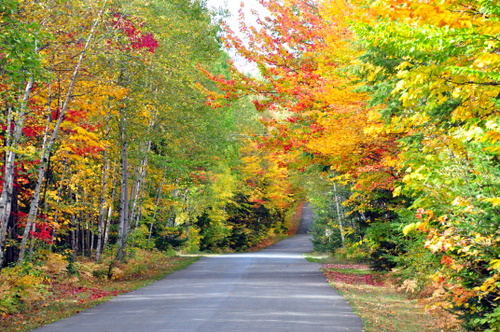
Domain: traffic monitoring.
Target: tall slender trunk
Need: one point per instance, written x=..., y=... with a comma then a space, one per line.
x=65, y=173
x=140, y=177
x=32, y=243
x=109, y=218
x=47, y=148
x=157, y=205
x=102, y=201
x=339, y=214
x=110, y=210
x=92, y=242
x=74, y=237
x=33, y=223
x=137, y=191
x=11, y=142
x=123, y=229
x=88, y=224
x=102, y=207
x=82, y=238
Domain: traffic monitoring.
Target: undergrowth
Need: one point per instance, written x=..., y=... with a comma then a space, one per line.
x=382, y=304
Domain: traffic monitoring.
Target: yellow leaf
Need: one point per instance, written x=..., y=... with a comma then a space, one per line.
x=397, y=191
x=495, y=264
x=491, y=136
x=495, y=201
x=410, y=227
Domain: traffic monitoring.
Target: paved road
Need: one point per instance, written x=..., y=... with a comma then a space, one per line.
x=274, y=290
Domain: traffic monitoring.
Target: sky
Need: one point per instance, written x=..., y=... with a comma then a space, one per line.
x=233, y=6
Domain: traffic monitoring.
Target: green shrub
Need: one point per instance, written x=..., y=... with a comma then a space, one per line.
x=325, y=238
x=20, y=286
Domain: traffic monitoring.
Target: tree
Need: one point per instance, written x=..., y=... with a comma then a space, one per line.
x=20, y=68
x=50, y=139
x=432, y=68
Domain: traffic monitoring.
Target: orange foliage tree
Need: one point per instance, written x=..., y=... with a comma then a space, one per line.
x=312, y=106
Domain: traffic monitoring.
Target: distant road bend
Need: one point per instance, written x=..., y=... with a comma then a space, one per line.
x=273, y=290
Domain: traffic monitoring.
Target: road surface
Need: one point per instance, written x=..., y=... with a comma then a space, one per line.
x=274, y=290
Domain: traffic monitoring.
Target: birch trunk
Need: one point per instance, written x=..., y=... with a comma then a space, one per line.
x=141, y=176
x=102, y=201
x=123, y=229
x=108, y=222
x=102, y=208
x=339, y=215
x=9, y=165
x=110, y=210
x=47, y=148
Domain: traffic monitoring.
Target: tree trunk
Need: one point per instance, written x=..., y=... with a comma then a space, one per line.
x=108, y=221
x=158, y=197
x=92, y=243
x=110, y=210
x=141, y=176
x=339, y=214
x=82, y=237
x=102, y=207
x=123, y=229
x=9, y=164
x=47, y=148
x=74, y=237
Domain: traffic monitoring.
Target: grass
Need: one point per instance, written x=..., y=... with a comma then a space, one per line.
x=378, y=302
x=68, y=295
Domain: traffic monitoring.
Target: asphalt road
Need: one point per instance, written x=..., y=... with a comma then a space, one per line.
x=273, y=290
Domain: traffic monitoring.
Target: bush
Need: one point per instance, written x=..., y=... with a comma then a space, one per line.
x=169, y=238
x=352, y=253
x=192, y=241
x=325, y=237
x=20, y=286
x=139, y=238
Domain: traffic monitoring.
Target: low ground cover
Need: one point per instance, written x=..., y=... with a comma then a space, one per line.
x=381, y=304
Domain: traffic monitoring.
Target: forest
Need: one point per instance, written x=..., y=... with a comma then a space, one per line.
x=126, y=125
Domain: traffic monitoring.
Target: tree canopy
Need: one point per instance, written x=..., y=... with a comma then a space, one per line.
x=127, y=125
x=394, y=105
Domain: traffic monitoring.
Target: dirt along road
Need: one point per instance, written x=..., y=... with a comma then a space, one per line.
x=273, y=290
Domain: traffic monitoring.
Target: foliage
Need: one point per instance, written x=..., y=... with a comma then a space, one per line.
x=380, y=306
x=21, y=286
x=399, y=101
x=442, y=99
x=352, y=274
x=107, y=154
x=125, y=127
x=325, y=239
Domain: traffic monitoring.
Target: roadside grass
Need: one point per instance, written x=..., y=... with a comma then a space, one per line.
x=376, y=300
x=67, y=295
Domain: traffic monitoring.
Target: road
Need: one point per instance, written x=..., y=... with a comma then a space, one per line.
x=273, y=290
